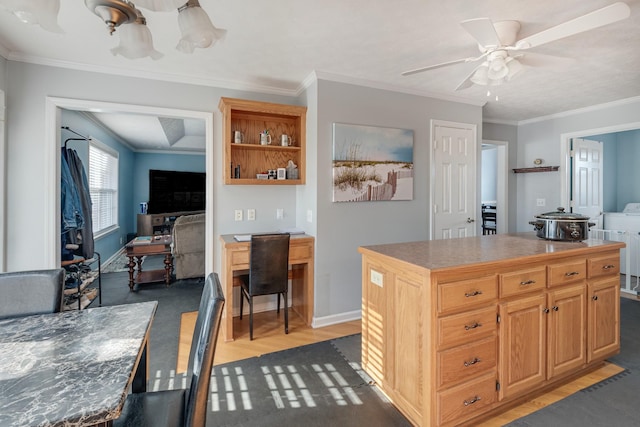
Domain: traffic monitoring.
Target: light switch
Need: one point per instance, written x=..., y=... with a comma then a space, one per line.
x=238, y=215
x=279, y=213
x=251, y=214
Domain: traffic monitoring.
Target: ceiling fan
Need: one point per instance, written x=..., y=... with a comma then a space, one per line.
x=499, y=47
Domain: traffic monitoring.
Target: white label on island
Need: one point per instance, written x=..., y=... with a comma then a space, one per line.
x=376, y=278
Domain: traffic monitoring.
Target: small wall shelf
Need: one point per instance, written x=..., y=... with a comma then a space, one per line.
x=537, y=169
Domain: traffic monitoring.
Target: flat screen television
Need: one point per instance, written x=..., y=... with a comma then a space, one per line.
x=175, y=191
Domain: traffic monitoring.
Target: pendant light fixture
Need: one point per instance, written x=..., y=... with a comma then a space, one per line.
x=196, y=28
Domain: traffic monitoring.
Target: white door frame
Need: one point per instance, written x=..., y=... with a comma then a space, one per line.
x=502, y=184
x=565, y=153
x=3, y=187
x=474, y=129
x=51, y=239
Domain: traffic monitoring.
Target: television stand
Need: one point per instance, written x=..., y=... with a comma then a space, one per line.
x=162, y=223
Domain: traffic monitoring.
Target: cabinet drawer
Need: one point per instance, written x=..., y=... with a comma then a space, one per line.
x=566, y=272
x=466, y=362
x=467, y=400
x=521, y=281
x=466, y=293
x=603, y=266
x=299, y=252
x=157, y=220
x=240, y=257
x=465, y=327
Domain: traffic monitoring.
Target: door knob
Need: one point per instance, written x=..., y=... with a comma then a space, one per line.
x=469, y=220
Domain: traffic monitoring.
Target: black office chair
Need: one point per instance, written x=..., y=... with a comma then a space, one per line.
x=489, y=219
x=183, y=408
x=268, y=273
x=25, y=293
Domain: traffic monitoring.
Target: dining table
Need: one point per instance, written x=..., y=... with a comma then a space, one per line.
x=73, y=368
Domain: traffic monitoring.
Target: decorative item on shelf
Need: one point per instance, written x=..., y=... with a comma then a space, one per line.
x=286, y=140
x=281, y=173
x=272, y=174
x=292, y=170
x=265, y=138
x=236, y=172
x=262, y=176
x=238, y=137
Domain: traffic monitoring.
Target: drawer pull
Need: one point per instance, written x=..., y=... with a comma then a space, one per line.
x=595, y=297
x=572, y=273
x=528, y=282
x=475, y=325
x=472, y=294
x=471, y=362
x=608, y=267
x=472, y=401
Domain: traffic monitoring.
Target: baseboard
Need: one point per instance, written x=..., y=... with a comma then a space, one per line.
x=319, y=322
x=113, y=257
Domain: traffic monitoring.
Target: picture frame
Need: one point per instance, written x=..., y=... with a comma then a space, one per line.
x=372, y=163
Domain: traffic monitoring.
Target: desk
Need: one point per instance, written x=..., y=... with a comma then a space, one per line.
x=75, y=367
x=235, y=258
x=161, y=246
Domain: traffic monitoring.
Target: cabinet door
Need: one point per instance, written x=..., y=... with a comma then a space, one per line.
x=522, y=345
x=603, y=311
x=566, y=334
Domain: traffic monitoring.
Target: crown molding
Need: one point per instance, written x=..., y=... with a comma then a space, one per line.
x=589, y=109
x=500, y=122
x=322, y=75
x=174, y=78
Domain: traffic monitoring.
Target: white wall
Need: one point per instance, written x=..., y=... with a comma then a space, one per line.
x=343, y=227
x=544, y=139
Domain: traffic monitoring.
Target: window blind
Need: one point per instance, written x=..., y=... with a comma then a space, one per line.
x=103, y=187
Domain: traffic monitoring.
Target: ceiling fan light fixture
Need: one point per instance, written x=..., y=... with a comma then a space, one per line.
x=113, y=12
x=35, y=12
x=497, y=69
x=196, y=28
x=160, y=5
x=136, y=40
x=514, y=66
x=480, y=77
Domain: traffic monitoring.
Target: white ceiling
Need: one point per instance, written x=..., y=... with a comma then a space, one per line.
x=274, y=46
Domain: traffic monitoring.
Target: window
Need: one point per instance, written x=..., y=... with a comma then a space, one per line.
x=103, y=186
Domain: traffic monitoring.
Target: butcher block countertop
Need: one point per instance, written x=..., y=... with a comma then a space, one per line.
x=451, y=253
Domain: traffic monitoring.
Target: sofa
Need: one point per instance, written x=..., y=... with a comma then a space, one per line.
x=188, y=246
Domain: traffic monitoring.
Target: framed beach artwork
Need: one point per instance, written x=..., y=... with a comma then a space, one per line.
x=372, y=163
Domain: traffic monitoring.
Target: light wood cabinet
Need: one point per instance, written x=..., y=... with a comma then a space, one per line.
x=251, y=118
x=453, y=342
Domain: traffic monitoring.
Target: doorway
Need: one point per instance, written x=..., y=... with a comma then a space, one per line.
x=497, y=173
x=54, y=106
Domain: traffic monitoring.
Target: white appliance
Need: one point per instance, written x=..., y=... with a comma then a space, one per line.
x=627, y=220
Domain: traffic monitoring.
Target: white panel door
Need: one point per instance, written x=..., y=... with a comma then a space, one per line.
x=454, y=148
x=586, y=191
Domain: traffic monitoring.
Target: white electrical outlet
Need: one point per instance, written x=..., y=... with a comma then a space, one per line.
x=251, y=214
x=309, y=215
x=238, y=215
x=541, y=202
x=377, y=278
x=279, y=213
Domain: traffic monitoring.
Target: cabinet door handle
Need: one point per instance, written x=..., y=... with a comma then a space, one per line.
x=546, y=310
x=472, y=401
x=595, y=297
x=475, y=325
x=471, y=362
x=608, y=267
x=555, y=308
x=528, y=282
x=572, y=273
x=472, y=294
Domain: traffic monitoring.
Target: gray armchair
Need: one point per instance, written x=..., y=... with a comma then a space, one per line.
x=25, y=293
x=188, y=246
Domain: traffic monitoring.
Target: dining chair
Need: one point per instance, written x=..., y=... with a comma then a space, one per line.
x=489, y=219
x=183, y=408
x=268, y=273
x=25, y=293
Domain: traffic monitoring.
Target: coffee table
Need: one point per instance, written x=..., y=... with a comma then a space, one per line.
x=149, y=245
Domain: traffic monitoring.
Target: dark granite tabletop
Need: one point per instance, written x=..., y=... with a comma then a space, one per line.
x=72, y=368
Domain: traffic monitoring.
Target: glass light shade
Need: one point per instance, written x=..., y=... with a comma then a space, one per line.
x=40, y=12
x=497, y=69
x=135, y=42
x=160, y=5
x=197, y=30
x=480, y=76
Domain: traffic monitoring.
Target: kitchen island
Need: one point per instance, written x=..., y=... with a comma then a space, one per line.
x=456, y=330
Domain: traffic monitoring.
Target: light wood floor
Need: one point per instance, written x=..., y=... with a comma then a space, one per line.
x=269, y=336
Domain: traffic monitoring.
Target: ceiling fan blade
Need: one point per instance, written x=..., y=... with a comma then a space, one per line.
x=531, y=59
x=467, y=81
x=482, y=30
x=432, y=67
x=598, y=18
